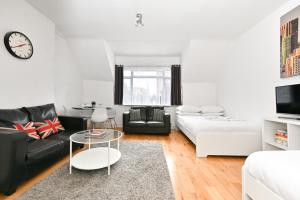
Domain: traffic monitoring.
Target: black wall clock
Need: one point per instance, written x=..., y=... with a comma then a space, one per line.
x=18, y=45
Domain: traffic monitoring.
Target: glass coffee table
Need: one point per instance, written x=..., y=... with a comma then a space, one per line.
x=98, y=157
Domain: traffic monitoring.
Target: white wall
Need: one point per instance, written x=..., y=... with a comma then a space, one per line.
x=201, y=63
x=247, y=89
x=135, y=48
x=68, y=81
x=198, y=94
x=202, y=59
x=148, y=61
x=26, y=82
x=99, y=91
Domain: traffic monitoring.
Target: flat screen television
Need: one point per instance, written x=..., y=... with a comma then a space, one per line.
x=288, y=99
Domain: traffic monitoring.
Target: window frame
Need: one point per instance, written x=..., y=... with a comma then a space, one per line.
x=163, y=76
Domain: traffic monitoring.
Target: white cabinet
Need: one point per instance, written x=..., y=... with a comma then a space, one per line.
x=272, y=125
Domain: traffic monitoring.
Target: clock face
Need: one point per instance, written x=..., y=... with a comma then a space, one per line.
x=18, y=45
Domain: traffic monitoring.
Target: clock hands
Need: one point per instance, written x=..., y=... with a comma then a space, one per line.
x=21, y=45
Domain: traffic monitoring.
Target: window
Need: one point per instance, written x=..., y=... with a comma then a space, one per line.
x=147, y=86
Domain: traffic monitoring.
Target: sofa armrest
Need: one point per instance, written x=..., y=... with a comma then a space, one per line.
x=73, y=122
x=13, y=149
x=167, y=120
x=126, y=117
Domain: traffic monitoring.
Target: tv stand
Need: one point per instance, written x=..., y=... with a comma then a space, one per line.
x=271, y=125
x=295, y=118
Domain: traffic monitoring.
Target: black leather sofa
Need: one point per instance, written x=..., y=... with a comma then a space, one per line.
x=147, y=125
x=20, y=157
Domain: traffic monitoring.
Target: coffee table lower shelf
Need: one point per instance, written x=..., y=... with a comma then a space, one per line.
x=95, y=158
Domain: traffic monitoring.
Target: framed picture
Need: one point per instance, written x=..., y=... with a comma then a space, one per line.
x=289, y=44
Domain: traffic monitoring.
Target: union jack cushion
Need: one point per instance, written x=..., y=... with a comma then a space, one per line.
x=29, y=129
x=45, y=129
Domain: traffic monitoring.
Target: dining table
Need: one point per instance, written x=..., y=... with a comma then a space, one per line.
x=110, y=111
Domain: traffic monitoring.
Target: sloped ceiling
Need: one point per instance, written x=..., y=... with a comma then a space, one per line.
x=92, y=56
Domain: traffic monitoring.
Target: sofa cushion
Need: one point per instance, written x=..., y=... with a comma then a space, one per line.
x=48, y=127
x=137, y=123
x=42, y=149
x=135, y=115
x=150, y=111
x=29, y=129
x=8, y=117
x=41, y=113
x=158, y=115
x=155, y=124
x=143, y=110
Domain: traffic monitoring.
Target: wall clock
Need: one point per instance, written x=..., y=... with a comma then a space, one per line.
x=18, y=45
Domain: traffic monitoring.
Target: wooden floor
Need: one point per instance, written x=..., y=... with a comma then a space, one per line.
x=192, y=178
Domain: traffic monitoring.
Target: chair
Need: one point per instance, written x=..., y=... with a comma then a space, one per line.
x=99, y=116
x=111, y=112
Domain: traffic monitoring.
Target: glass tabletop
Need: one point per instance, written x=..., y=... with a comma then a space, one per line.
x=90, y=137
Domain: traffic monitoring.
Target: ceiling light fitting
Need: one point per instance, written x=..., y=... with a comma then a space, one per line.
x=139, y=20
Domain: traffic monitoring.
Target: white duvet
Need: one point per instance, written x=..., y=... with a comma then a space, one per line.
x=278, y=170
x=199, y=124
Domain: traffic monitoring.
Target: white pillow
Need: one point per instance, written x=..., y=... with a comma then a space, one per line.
x=188, y=113
x=211, y=109
x=198, y=114
x=190, y=109
x=213, y=114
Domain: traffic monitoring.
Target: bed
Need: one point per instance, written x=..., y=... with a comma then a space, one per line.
x=218, y=135
x=272, y=175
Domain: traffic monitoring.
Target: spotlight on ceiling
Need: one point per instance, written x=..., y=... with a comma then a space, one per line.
x=139, y=20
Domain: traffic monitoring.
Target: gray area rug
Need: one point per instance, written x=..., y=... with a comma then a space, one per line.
x=141, y=173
